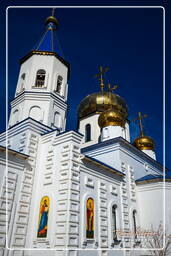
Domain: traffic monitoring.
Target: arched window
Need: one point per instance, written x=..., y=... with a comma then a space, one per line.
x=40, y=78
x=43, y=217
x=114, y=223
x=87, y=132
x=59, y=84
x=134, y=213
x=90, y=218
x=23, y=76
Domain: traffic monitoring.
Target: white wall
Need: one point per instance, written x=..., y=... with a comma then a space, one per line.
x=95, y=129
x=47, y=104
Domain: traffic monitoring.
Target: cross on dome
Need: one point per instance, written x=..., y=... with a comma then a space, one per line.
x=100, y=76
x=113, y=88
x=140, y=119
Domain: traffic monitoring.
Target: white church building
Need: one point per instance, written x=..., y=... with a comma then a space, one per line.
x=75, y=193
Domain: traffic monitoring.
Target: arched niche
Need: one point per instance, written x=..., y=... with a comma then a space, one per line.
x=57, y=120
x=36, y=113
x=15, y=116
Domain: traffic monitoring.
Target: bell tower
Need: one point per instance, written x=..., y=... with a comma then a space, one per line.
x=42, y=87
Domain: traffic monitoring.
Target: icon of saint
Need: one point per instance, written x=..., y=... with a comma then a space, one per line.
x=44, y=209
x=90, y=218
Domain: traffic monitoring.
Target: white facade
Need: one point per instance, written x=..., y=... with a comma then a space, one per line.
x=151, y=153
x=111, y=132
x=95, y=129
x=43, y=104
x=97, y=135
x=45, y=161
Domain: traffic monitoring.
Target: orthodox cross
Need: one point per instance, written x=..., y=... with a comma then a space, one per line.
x=100, y=76
x=113, y=88
x=140, y=119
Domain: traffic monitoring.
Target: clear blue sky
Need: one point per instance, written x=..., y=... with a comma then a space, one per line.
x=129, y=41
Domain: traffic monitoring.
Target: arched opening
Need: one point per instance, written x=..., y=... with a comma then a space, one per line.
x=36, y=113
x=134, y=216
x=15, y=117
x=87, y=132
x=59, y=84
x=40, y=78
x=114, y=222
x=43, y=217
x=90, y=218
x=57, y=120
x=23, y=76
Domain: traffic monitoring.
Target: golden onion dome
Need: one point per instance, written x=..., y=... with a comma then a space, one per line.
x=52, y=19
x=100, y=102
x=111, y=117
x=144, y=142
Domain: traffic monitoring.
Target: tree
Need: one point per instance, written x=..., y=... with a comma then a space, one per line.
x=161, y=240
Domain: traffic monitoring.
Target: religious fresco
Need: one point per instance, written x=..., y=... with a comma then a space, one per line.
x=90, y=218
x=43, y=217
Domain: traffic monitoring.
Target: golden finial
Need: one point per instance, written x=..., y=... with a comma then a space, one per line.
x=100, y=76
x=140, y=118
x=54, y=24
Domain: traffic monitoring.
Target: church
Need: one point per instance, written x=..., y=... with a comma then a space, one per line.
x=75, y=193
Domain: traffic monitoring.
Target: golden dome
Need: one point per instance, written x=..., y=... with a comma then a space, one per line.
x=111, y=117
x=52, y=19
x=144, y=142
x=100, y=102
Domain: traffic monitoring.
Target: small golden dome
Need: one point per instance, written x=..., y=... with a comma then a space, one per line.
x=100, y=102
x=111, y=118
x=144, y=142
x=52, y=19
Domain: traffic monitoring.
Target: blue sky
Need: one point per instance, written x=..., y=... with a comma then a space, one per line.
x=127, y=40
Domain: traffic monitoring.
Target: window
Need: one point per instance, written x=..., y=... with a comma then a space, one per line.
x=114, y=224
x=43, y=217
x=40, y=78
x=59, y=84
x=90, y=218
x=23, y=76
x=87, y=132
x=134, y=223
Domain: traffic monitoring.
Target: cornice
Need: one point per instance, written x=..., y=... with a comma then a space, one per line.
x=46, y=53
x=25, y=124
x=13, y=152
x=127, y=145
x=38, y=95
